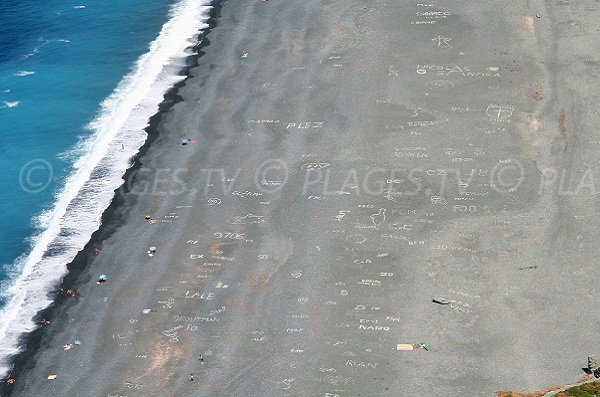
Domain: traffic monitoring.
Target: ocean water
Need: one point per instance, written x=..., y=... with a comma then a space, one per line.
x=78, y=82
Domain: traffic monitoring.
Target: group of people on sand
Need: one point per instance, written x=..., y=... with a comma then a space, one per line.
x=70, y=292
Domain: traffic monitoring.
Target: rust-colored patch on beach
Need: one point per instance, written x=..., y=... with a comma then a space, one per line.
x=163, y=359
x=532, y=394
x=253, y=281
x=513, y=394
x=527, y=125
x=527, y=28
x=161, y=355
x=215, y=249
x=260, y=282
x=535, y=91
x=245, y=307
x=563, y=128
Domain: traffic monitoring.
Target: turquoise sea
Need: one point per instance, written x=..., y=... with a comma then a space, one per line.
x=78, y=81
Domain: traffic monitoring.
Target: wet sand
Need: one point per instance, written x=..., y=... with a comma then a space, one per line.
x=352, y=161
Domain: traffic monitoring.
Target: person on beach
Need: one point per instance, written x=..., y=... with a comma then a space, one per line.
x=102, y=279
x=191, y=377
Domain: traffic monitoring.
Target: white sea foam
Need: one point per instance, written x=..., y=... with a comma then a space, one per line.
x=117, y=133
x=22, y=73
x=37, y=49
x=12, y=104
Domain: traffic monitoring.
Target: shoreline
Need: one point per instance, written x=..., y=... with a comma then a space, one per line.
x=112, y=219
x=290, y=290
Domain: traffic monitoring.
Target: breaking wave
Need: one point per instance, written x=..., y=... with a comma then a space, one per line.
x=116, y=135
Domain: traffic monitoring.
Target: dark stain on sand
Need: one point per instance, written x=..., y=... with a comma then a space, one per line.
x=534, y=91
x=563, y=128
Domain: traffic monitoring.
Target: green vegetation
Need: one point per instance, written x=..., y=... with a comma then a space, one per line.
x=587, y=390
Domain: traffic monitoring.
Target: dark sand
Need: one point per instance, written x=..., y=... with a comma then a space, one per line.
x=364, y=158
